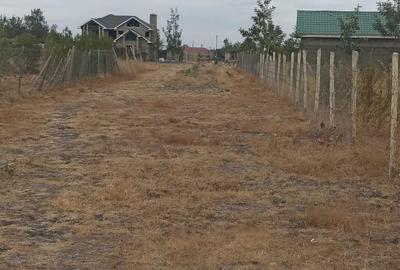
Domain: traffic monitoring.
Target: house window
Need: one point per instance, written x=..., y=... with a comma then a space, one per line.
x=147, y=34
x=112, y=34
x=133, y=23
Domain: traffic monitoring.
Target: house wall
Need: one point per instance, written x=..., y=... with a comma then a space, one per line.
x=145, y=48
x=141, y=29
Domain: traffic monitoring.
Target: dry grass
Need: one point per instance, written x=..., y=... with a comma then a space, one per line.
x=334, y=217
x=136, y=176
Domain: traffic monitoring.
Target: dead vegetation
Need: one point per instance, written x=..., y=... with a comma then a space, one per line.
x=132, y=176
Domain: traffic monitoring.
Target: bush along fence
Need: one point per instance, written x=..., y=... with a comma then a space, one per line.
x=23, y=70
x=345, y=93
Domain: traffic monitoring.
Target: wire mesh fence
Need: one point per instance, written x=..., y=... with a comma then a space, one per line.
x=343, y=93
x=25, y=70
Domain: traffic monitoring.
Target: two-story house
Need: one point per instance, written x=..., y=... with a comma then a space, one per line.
x=126, y=31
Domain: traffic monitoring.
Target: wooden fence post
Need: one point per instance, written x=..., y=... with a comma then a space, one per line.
x=291, y=75
x=332, y=96
x=297, y=93
x=284, y=77
x=354, y=67
x=274, y=68
x=83, y=65
x=42, y=75
x=393, y=125
x=116, y=60
x=317, y=84
x=266, y=63
x=71, y=64
x=134, y=53
x=305, y=91
x=278, y=75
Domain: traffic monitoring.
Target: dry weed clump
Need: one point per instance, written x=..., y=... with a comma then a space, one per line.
x=337, y=217
x=375, y=97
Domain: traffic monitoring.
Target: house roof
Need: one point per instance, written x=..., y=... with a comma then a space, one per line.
x=113, y=21
x=326, y=23
x=198, y=51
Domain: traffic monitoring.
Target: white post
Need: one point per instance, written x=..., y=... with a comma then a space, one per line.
x=284, y=91
x=297, y=94
x=393, y=126
x=305, y=92
x=291, y=75
x=270, y=70
x=317, y=84
x=71, y=67
x=274, y=67
x=266, y=68
x=262, y=65
x=354, y=62
x=332, y=97
x=278, y=75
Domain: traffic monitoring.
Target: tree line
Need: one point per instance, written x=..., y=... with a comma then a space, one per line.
x=32, y=31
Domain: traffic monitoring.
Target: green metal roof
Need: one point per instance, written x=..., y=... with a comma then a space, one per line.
x=326, y=23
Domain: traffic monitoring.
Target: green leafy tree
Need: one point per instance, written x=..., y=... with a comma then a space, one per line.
x=293, y=43
x=263, y=34
x=28, y=52
x=389, y=22
x=173, y=34
x=348, y=27
x=231, y=47
x=36, y=24
x=159, y=44
x=60, y=43
x=89, y=42
x=12, y=27
x=248, y=45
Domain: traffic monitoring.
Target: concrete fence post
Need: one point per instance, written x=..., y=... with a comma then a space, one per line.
x=297, y=93
x=317, y=84
x=291, y=75
x=393, y=124
x=354, y=79
x=305, y=81
x=332, y=96
x=284, y=77
x=278, y=75
x=266, y=63
x=274, y=68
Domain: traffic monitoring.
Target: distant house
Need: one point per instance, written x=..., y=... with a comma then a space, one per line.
x=321, y=29
x=126, y=32
x=196, y=54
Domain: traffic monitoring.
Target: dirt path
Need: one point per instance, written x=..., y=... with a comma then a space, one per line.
x=202, y=169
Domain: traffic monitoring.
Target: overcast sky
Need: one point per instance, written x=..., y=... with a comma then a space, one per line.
x=201, y=20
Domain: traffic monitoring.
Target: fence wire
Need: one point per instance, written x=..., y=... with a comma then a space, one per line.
x=24, y=70
x=295, y=76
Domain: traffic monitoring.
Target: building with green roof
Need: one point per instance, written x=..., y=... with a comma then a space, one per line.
x=321, y=29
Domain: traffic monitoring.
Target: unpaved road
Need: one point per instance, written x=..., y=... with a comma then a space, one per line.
x=174, y=171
